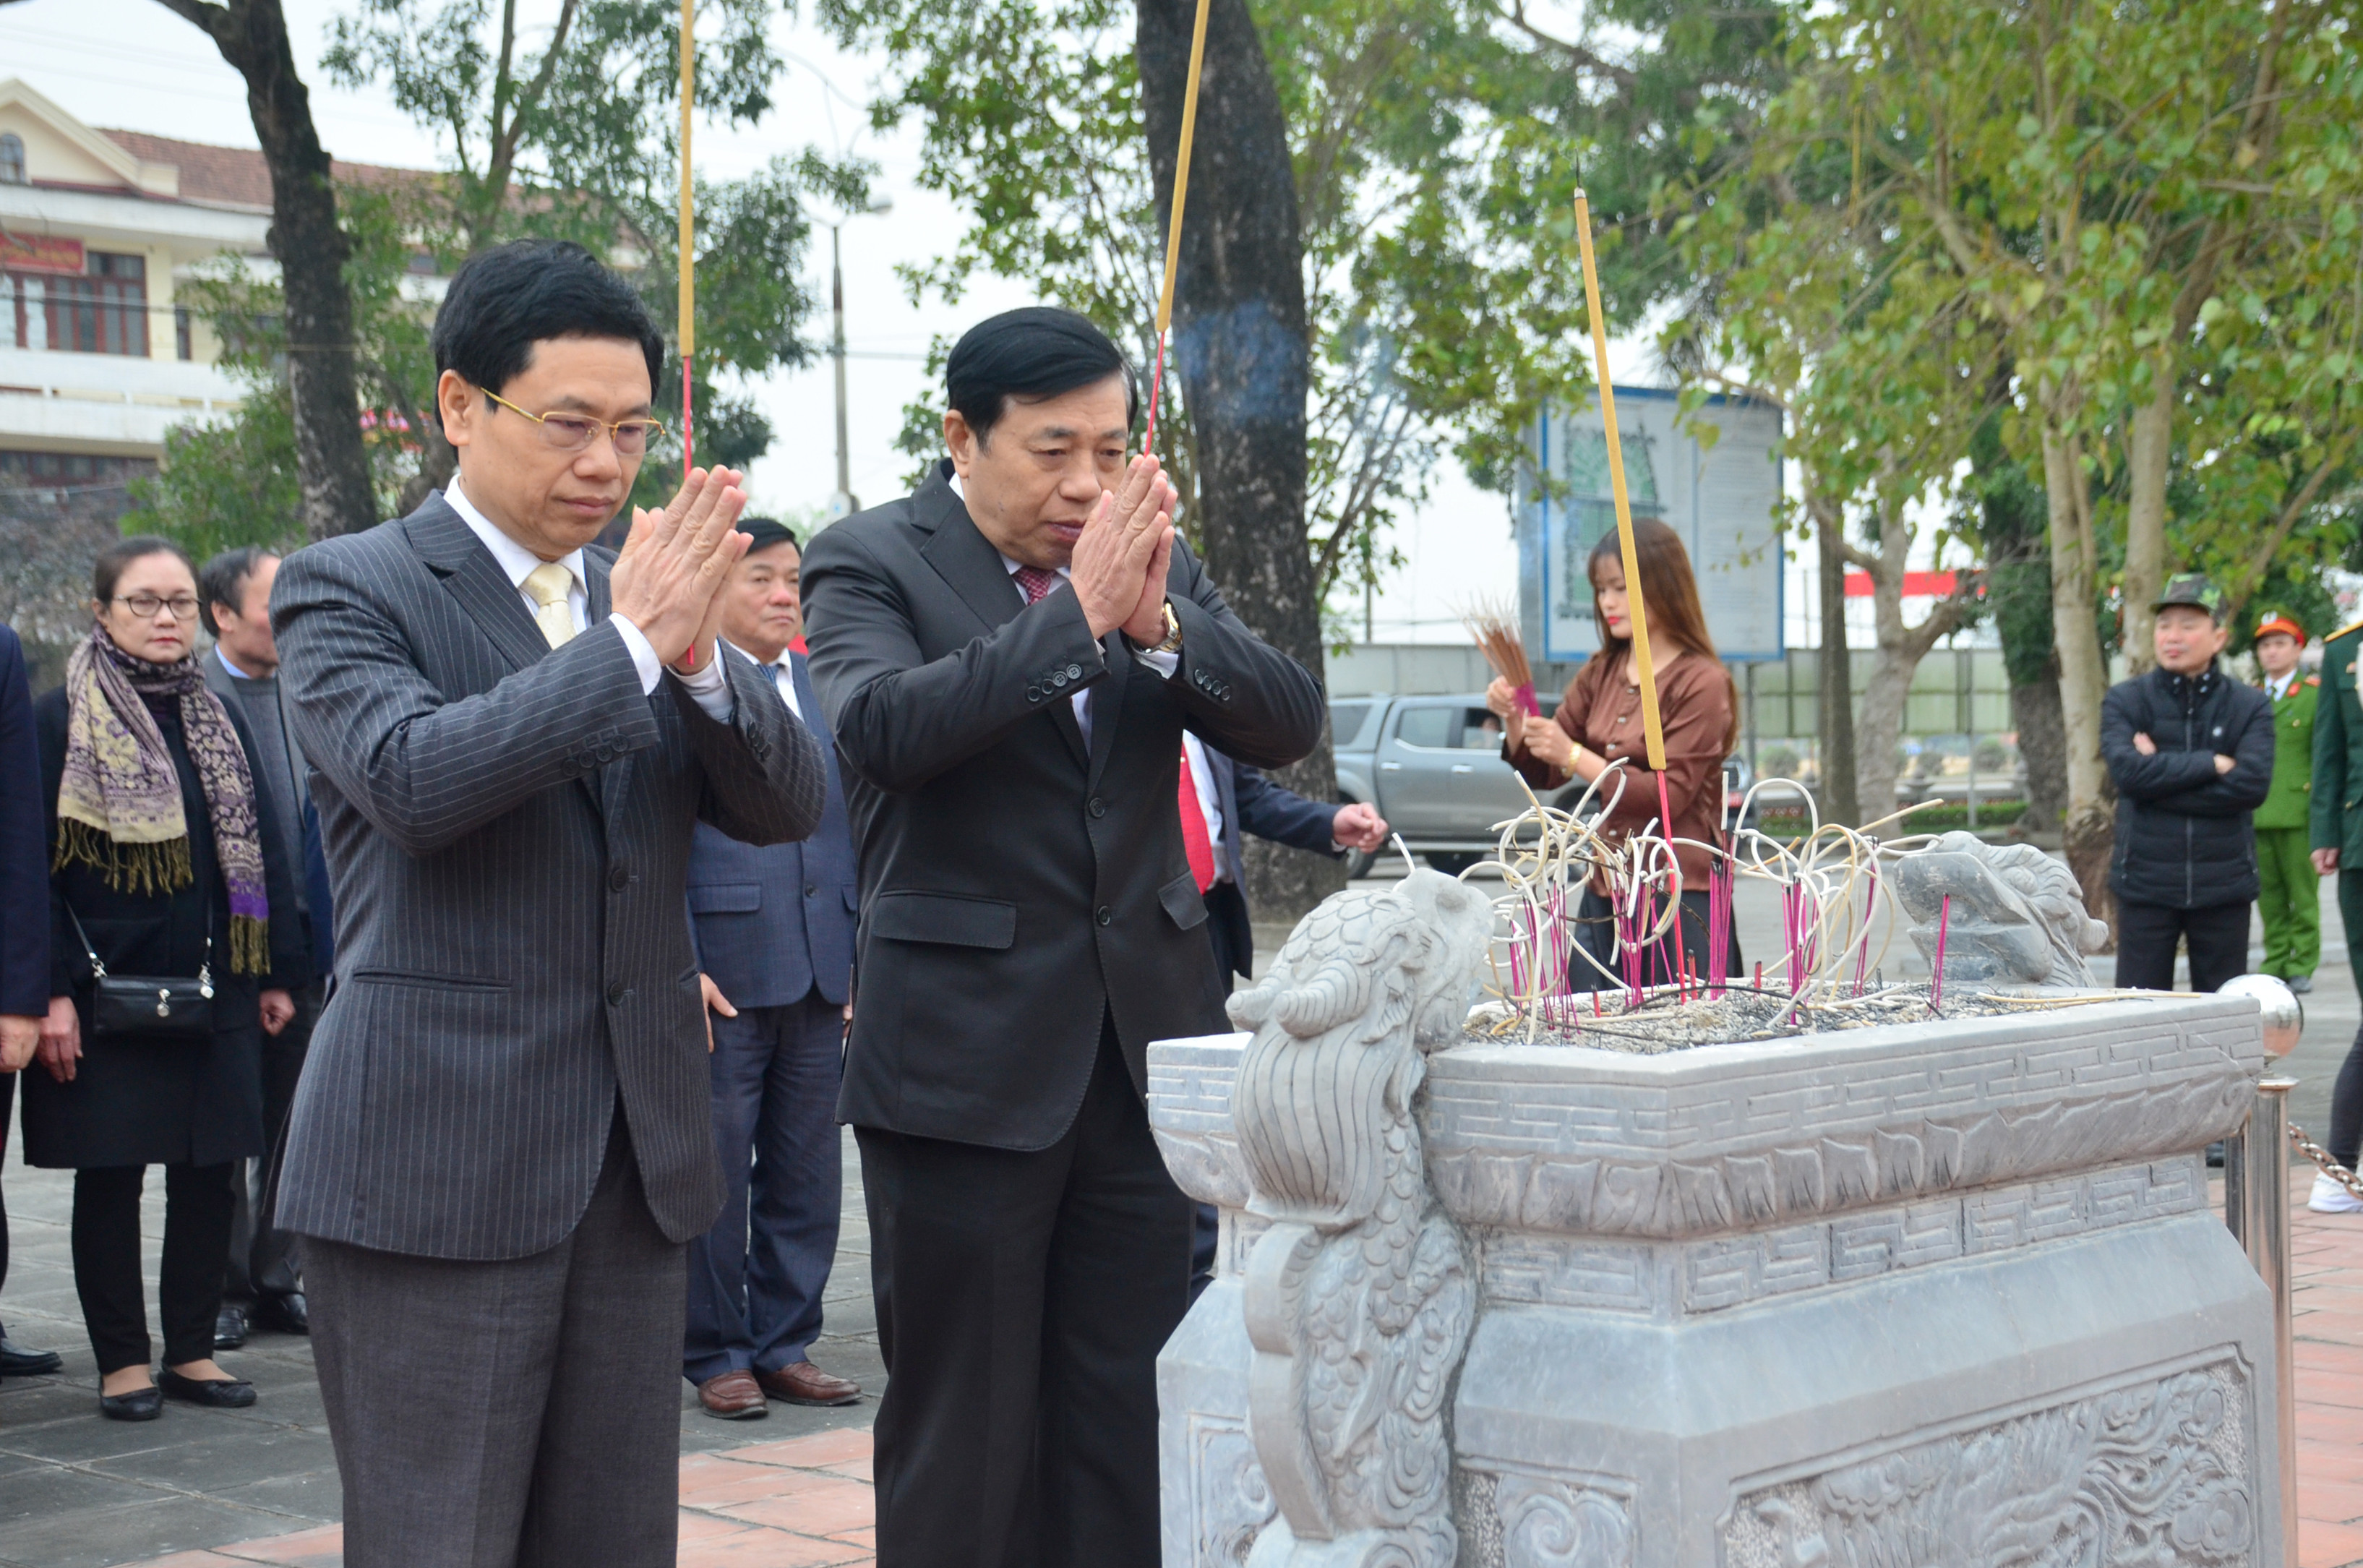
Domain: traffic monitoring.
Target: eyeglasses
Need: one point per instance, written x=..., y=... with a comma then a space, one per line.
x=146, y=605
x=575, y=432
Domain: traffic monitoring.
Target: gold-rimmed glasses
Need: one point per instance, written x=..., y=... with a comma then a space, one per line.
x=575, y=432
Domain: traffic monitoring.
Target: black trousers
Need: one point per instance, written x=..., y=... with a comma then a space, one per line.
x=263, y=1259
x=1022, y=1297
x=1596, y=932
x=8, y=1103
x=197, y=1202
x=2346, y=1094
x=2147, y=935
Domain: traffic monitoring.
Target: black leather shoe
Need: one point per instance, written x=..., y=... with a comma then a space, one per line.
x=221, y=1393
x=15, y=1361
x=283, y=1314
x=230, y=1327
x=139, y=1405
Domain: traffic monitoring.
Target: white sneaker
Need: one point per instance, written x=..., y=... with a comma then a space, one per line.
x=2330, y=1197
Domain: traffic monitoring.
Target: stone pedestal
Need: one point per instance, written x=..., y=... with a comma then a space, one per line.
x=1895, y=1297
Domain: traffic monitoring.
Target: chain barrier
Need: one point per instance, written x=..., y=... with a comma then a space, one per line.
x=2321, y=1157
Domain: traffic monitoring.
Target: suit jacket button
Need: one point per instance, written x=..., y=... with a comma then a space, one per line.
x=619, y=878
x=616, y=993
x=1058, y=681
x=1075, y=672
x=811, y=891
x=1098, y=807
x=1107, y=917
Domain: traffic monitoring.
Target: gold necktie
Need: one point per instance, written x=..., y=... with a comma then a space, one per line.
x=549, y=583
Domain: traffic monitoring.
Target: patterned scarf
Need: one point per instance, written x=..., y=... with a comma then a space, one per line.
x=119, y=802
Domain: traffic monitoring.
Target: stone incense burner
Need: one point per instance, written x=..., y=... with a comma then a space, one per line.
x=1894, y=1297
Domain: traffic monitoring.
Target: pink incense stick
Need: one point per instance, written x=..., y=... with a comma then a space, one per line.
x=1936, y=975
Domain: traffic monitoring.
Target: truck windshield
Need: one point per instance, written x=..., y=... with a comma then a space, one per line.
x=1346, y=721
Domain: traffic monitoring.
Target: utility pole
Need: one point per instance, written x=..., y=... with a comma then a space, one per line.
x=842, y=503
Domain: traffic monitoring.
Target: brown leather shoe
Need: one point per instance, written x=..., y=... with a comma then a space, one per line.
x=805, y=1384
x=733, y=1397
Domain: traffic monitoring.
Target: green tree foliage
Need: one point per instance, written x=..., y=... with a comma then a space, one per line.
x=1437, y=146
x=575, y=139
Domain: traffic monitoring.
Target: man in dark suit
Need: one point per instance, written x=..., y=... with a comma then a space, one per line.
x=262, y=1287
x=503, y=1141
x=24, y=932
x=775, y=930
x=1009, y=659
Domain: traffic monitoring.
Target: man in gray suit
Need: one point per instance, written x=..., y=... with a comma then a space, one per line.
x=502, y=1144
x=264, y=1287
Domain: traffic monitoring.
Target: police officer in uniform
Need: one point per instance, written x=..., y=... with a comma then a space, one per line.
x=2289, y=897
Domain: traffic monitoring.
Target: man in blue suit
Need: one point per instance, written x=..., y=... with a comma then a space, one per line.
x=24, y=930
x=775, y=930
x=1237, y=800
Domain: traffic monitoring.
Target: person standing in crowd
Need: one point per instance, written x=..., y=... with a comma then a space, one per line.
x=264, y=1288
x=1598, y=726
x=503, y=1141
x=1234, y=800
x=2336, y=832
x=774, y=932
x=2191, y=752
x=2288, y=891
x=1009, y=659
x=166, y=860
x=24, y=934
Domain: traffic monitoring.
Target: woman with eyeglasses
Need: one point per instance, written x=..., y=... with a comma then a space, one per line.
x=164, y=864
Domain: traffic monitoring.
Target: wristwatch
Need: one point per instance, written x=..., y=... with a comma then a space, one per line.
x=1172, y=643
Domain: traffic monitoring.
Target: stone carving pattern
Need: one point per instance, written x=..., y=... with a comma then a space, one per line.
x=1502, y=1153
x=2148, y=1474
x=1548, y=1524
x=1230, y=1501
x=2017, y=918
x=1359, y=1294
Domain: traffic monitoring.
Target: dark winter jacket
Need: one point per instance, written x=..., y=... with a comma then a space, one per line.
x=2184, y=838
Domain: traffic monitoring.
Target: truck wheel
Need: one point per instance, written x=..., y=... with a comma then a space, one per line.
x=1450, y=864
x=1358, y=863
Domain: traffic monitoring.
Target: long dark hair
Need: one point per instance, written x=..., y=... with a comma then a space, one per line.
x=1669, y=594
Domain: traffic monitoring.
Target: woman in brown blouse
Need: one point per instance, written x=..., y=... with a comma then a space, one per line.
x=1599, y=723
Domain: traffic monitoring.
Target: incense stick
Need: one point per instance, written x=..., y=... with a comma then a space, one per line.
x=688, y=239
x=1173, y=226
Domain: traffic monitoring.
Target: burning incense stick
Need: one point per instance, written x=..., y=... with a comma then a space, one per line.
x=1173, y=226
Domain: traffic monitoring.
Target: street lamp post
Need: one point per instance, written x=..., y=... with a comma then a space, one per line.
x=842, y=503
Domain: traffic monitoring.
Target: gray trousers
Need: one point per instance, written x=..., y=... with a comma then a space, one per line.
x=521, y=1412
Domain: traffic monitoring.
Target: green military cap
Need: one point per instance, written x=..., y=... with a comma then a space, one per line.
x=2192, y=589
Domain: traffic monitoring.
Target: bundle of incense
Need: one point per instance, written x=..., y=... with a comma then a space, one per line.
x=1936, y=974
x=1495, y=628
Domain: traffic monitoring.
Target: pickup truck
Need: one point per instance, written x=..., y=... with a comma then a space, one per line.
x=1433, y=767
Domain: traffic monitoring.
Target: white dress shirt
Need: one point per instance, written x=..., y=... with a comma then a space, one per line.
x=2278, y=686
x=782, y=675
x=1209, y=805
x=708, y=686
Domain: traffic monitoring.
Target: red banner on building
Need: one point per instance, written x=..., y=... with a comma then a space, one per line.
x=39, y=253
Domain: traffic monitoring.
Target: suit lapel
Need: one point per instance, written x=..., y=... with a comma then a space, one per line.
x=1107, y=700
x=609, y=783
x=808, y=703
x=474, y=578
x=966, y=561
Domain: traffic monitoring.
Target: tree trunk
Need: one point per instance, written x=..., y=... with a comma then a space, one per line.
x=2085, y=832
x=1834, y=694
x=2152, y=449
x=1879, y=733
x=2043, y=752
x=1240, y=346
x=332, y=469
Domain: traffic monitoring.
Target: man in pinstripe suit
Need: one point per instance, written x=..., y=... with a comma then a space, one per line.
x=502, y=1144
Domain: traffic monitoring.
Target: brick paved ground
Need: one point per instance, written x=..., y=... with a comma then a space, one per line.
x=218, y=1489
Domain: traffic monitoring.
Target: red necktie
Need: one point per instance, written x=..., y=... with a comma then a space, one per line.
x=1035, y=582
x=1193, y=829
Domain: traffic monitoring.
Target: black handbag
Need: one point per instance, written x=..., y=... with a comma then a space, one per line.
x=179, y=1008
